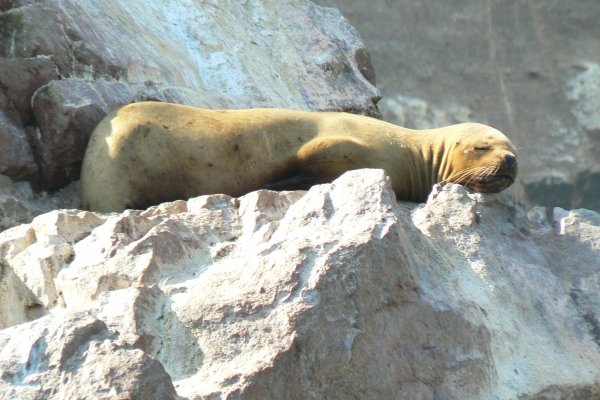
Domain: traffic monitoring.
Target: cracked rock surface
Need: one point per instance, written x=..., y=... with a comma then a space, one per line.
x=340, y=292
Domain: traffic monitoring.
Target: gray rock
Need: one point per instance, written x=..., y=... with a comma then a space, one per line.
x=338, y=292
x=67, y=112
x=72, y=356
x=19, y=204
x=418, y=114
x=21, y=77
x=16, y=158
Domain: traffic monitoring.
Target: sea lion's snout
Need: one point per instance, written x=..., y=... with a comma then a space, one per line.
x=500, y=177
x=509, y=167
x=510, y=161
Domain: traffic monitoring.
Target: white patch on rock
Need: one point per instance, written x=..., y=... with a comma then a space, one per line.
x=584, y=90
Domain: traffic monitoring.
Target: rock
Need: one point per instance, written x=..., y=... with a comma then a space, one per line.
x=21, y=77
x=338, y=292
x=19, y=204
x=538, y=222
x=17, y=302
x=520, y=68
x=75, y=356
x=37, y=252
x=85, y=58
x=13, y=213
x=17, y=159
x=67, y=112
x=577, y=236
x=38, y=265
x=418, y=114
x=585, y=92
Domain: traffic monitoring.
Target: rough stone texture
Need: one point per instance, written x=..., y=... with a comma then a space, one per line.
x=339, y=292
x=67, y=112
x=418, y=114
x=530, y=69
x=76, y=60
x=19, y=204
x=16, y=158
x=74, y=356
x=21, y=77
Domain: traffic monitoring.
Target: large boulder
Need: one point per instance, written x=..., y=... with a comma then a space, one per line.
x=64, y=64
x=16, y=158
x=530, y=69
x=339, y=292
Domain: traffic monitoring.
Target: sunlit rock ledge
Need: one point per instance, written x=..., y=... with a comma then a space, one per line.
x=339, y=292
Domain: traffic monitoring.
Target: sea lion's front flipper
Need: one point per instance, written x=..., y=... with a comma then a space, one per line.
x=322, y=161
x=301, y=181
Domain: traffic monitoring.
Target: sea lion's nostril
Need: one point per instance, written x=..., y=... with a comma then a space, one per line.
x=510, y=160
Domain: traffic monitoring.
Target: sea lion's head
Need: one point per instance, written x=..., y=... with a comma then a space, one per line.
x=480, y=158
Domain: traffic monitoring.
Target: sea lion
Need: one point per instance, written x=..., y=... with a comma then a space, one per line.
x=147, y=153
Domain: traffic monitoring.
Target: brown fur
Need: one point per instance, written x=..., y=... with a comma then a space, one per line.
x=147, y=153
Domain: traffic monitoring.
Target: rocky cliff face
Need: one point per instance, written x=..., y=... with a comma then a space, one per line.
x=530, y=69
x=65, y=64
x=339, y=292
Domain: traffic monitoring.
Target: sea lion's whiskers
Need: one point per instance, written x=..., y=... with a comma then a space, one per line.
x=461, y=174
x=498, y=166
x=490, y=170
x=475, y=176
x=479, y=172
x=471, y=173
